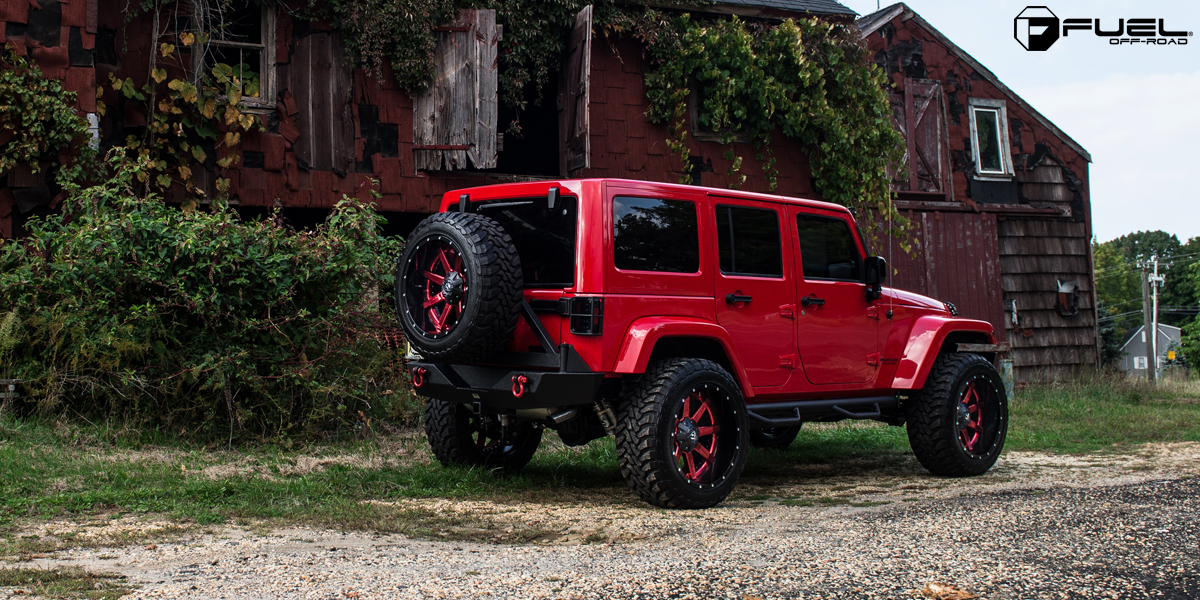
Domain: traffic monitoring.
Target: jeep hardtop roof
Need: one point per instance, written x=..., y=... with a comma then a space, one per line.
x=575, y=186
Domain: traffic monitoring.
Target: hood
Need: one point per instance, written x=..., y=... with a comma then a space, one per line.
x=915, y=300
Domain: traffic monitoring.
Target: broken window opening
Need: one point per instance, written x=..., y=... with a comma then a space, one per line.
x=989, y=138
x=532, y=148
x=239, y=43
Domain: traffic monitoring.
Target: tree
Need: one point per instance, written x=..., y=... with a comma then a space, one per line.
x=1118, y=291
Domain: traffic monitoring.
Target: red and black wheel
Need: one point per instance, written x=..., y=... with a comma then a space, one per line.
x=458, y=287
x=459, y=437
x=958, y=422
x=682, y=434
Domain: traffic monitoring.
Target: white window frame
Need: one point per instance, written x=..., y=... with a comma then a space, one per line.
x=265, y=102
x=1139, y=363
x=998, y=106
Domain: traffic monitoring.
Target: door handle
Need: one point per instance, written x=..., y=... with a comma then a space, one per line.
x=735, y=298
x=808, y=300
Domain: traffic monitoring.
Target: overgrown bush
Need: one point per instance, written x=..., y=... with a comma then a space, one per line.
x=198, y=321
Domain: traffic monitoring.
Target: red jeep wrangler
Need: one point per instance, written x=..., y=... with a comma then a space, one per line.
x=687, y=322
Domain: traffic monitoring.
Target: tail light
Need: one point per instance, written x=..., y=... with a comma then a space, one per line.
x=586, y=314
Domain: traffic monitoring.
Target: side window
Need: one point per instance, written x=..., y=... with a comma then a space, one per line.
x=748, y=241
x=655, y=235
x=827, y=249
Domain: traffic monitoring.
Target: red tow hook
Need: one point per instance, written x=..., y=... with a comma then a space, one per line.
x=418, y=376
x=518, y=388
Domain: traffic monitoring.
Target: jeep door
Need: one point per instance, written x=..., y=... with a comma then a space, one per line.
x=754, y=287
x=837, y=328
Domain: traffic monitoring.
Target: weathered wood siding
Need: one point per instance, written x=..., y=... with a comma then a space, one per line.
x=1035, y=255
x=320, y=79
x=574, y=124
x=455, y=119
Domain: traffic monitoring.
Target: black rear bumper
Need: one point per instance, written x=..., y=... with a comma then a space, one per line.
x=497, y=387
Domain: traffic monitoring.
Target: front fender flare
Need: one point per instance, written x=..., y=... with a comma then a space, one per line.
x=644, y=333
x=925, y=341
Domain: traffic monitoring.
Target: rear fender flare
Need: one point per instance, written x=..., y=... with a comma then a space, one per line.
x=644, y=334
x=925, y=342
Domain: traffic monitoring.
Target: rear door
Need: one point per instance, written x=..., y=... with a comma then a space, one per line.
x=755, y=287
x=837, y=328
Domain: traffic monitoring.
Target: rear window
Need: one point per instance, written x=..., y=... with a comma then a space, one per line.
x=545, y=239
x=655, y=235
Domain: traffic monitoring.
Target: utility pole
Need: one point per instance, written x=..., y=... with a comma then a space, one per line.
x=1146, y=322
x=1155, y=281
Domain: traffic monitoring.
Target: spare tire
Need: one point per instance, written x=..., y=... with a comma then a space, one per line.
x=458, y=287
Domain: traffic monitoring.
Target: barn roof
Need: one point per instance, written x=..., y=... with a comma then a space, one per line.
x=816, y=7
x=871, y=23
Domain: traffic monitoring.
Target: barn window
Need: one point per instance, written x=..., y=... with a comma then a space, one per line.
x=989, y=138
x=240, y=42
x=454, y=120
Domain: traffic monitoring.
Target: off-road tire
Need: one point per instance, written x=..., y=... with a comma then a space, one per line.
x=482, y=320
x=453, y=430
x=935, y=430
x=651, y=414
x=774, y=438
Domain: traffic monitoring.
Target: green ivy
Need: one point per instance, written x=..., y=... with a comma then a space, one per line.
x=35, y=112
x=806, y=79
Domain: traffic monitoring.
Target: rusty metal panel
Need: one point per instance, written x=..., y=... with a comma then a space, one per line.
x=955, y=259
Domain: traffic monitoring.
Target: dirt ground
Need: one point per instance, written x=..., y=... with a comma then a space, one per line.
x=855, y=529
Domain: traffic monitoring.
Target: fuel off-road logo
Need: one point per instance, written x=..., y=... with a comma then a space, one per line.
x=1037, y=28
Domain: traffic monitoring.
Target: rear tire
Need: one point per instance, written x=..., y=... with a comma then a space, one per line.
x=682, y=434
x=774, y=438
x=958, y=421
x=459, y=437
x=458, y=287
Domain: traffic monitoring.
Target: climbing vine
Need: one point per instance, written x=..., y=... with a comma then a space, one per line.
x=193, y=123
x=36, y=118
x=806, y=79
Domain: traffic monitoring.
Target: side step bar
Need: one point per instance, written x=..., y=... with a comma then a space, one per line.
x=847, y=408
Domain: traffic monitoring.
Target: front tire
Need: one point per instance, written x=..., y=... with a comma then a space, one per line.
x=682, y=434
x=958, y=422
x=458, y=436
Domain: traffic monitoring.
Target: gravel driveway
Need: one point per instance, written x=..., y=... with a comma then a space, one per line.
x=1038, y=526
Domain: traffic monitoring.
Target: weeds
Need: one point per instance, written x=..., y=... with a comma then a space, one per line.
x=66, y=582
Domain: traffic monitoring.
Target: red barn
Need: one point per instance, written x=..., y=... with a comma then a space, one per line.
x=998, y=195
x=334, y=129
x=1003, y=221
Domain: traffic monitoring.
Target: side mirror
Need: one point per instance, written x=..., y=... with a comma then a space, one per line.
x=876, y=273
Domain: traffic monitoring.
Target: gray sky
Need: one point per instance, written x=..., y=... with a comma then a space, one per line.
x=1135, y=109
